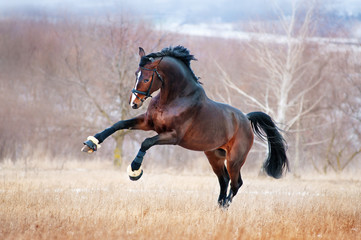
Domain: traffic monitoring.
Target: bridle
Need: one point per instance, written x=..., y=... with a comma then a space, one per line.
x=147, y=93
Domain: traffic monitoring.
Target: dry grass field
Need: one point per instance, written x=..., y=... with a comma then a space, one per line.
x=96, y=201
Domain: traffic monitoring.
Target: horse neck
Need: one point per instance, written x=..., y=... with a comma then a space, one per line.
x=178, y=82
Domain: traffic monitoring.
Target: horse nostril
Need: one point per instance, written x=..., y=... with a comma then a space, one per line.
x=135, y=106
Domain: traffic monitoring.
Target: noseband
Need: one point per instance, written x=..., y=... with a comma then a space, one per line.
x=147, y=93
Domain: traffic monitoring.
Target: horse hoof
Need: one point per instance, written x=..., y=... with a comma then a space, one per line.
x=223, y=204
x=90, y=145
x=87, y=149
x=134, y=175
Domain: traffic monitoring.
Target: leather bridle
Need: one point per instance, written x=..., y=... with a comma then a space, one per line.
x=147, y=93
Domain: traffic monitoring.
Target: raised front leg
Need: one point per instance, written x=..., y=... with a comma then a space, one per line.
x=93, y=142
x=167, y=138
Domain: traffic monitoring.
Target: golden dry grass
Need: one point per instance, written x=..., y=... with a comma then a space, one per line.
x=96, y=201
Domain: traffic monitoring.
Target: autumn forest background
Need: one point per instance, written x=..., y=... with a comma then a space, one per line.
x=64, y=77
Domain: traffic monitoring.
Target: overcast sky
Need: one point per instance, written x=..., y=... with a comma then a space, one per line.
x=181, y=10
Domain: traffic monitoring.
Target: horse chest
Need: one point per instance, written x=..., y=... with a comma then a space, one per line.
x=166, y=120
x=161, y=119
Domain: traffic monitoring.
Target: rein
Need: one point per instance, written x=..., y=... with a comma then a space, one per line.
x=147, y=93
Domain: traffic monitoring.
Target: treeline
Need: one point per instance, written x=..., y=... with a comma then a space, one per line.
x=66, y=78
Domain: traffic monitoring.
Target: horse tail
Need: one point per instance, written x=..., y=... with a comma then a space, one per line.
x=266, y=129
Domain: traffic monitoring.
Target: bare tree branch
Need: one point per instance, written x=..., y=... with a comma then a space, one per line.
x=229, y=83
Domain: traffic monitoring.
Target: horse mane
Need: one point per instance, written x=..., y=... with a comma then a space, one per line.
x=178, y=52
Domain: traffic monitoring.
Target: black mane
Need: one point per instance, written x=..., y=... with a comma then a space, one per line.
x=178, y=52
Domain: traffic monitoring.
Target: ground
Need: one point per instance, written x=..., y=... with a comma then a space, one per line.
x=97, y=201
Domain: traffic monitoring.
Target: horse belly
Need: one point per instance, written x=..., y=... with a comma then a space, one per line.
x=215, y=126
x=206, y=137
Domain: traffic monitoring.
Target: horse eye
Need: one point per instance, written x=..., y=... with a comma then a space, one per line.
x=146, y=80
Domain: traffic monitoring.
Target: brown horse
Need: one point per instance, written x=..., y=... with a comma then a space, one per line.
x=183, y=115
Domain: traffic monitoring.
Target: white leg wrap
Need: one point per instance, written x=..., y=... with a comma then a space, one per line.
x=135, y=173
x=94, y=140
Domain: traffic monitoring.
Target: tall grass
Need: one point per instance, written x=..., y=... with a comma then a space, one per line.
x=95, y=201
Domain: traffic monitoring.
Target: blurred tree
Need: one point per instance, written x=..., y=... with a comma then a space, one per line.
x=290, y=72
x=344, y=105
x=102, y=62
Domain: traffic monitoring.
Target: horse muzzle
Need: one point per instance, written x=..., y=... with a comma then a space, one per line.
x=135, y=102
x=136, y=106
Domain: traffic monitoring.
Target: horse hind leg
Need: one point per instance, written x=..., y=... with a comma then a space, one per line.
x=216, y=159
x=235, y=161
x=236, y=183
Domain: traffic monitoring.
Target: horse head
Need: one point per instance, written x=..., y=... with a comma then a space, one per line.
x=147, y=81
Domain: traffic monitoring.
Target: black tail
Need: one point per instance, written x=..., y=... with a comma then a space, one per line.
x=265, y=128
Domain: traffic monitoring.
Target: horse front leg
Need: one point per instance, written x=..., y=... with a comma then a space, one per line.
x=93, y=142
x=134, y=169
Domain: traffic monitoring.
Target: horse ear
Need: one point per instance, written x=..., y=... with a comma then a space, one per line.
x=141, y=52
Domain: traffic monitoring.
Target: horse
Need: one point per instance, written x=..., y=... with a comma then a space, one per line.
x=182, y=114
